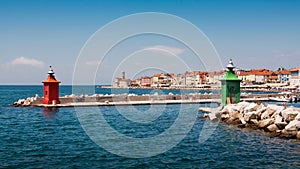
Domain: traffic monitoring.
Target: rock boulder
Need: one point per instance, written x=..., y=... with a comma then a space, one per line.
x=251, y=107
x=293, y=126
x=297, y=117
x=272, y=128
x=267, y=114
x=265, y=123
x=250, y=115
x=298, y=135
x=289, y=114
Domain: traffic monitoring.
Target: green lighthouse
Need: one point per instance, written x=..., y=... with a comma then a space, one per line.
x=230, y=86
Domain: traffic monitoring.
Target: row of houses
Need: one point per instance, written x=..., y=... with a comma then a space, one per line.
x=187, y=79
x=198, y=79
x=261, y=76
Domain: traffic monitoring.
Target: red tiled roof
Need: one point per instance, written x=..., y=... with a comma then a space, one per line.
x=273, y=77
x=146, y=77
x=262, y=73
x=51, y=79
x=284, y=72
x=221, y=72
x=158, y=75
x=243, y=73
x=295, y=69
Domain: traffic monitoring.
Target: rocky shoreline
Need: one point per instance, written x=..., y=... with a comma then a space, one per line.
x=280, y=121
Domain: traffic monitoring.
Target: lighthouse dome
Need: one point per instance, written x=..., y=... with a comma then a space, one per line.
x=50, y=72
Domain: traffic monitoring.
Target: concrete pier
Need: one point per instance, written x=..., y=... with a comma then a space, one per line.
x=131, y=99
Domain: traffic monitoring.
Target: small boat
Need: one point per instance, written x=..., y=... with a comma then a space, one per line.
x=285, y=93
x=279, y=99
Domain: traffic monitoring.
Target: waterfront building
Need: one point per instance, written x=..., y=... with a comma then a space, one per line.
x=164, y=80
x=146, y=81
x=284, y=76
x=273, y=78
x=121, y=82
x=245, y=76
x=250, y=77
x=258, y=76
x=197, y=79
x=261, y=75
x=154, y=80
x=179, y=81
x=190, y=79
x=136, y=83
x=215, y=77
x=295, y=76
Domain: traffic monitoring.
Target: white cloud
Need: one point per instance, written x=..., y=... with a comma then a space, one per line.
x=25, y=61
x=173, y=50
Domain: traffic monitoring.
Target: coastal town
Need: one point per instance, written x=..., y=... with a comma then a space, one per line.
x=288, y=79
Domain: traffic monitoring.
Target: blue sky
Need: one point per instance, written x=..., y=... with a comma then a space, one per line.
x=35, y=34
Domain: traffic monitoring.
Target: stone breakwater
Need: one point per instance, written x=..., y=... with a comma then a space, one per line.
x=120, y=99
x=280, y=121
x=98, y=99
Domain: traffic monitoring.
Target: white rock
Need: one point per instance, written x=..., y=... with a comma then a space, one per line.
x=21, y=101
x=250, y=115
x=261, y=110
x=267, y=114
x=278, y=119
x=235, y=114
x=293, y=126
x=244, y=104
x=275, y=107
x=26, y=102
x=265, y=123
x=281, y=125
x=272, y=128
x=289, y=134
x=289, y=114
x=251, y=107
x=241, y=106
x=254, y=121
x=212, y=116
x=72, y=96
x=298, y=135
x=242, y=119
x=225, y=116
x=233, y=120
x=228, y=108
x=297, y=117
x=277, y=113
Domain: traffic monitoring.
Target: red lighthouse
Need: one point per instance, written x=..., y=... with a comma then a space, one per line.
x=51, y=89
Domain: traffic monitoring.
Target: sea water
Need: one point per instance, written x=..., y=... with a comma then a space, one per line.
x=32, y=137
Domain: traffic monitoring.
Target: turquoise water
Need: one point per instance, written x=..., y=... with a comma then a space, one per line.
x=38, y=138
